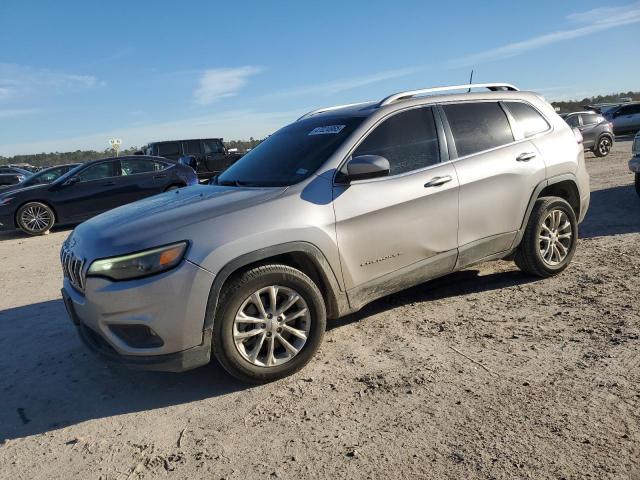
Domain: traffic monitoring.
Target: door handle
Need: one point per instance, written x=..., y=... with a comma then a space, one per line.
x=438, y=181
x=525, y=157
x=162, y=175
x=108, y=184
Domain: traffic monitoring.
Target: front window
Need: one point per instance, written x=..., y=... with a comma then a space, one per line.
x=98, y=172
x=291, y=154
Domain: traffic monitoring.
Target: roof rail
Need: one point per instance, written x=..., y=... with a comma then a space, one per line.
x=413, y=93
x=328, y=109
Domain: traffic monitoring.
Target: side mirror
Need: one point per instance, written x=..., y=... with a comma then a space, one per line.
x=71, y=181
x=367, y=166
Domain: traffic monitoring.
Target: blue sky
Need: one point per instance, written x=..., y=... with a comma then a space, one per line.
x=75, y=73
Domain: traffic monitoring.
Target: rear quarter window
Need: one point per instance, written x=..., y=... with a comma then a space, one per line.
x=528, y=119
x=478, y=126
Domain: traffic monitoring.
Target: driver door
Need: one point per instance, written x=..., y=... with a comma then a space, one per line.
x=398, y=230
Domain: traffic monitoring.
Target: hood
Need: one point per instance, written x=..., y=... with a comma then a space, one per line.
x=163, y=218
x=19, y=188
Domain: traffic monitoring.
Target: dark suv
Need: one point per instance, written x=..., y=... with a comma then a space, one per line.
x=597, y=131
x=209, y=155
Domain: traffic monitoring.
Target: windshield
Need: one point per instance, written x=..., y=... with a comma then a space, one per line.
x=291, y=154
x=48, y=175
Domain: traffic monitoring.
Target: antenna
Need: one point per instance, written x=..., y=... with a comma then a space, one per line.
x=470, y=81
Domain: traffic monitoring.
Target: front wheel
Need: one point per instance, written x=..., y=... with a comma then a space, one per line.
x=35, y=218
x=603, y=147
x=270, y=322
x=550, y=238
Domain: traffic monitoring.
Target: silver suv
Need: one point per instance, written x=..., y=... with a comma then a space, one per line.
x=343, y=206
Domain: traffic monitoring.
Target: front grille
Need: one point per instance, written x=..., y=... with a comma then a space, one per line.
x=72, y=268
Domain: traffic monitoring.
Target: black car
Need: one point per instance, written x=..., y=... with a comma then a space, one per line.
x=209, y=156
x=42, y=177
x=597, y=131
x=12, y=175
x=89, y=189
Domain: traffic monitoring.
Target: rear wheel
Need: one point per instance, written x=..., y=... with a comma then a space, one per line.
x=35, y=218
x=173, y=187
x=550, y=238
x=270, y=322
x=603, y=147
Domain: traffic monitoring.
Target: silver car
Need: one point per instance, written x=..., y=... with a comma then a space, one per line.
x=343, y=206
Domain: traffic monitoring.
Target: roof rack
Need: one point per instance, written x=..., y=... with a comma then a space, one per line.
x=328, y=109
x=414, y=93
x=494, y=87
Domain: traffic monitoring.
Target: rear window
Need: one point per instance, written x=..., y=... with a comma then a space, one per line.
x=291, y=154
x=589, y=118
x=528, y=118
x=478, y=126
x=169, y=150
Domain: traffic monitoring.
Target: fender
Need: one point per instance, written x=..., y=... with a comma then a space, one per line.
x=535, y=195
x=337, y=303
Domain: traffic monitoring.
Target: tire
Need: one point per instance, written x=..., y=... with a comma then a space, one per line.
x=638, y=183
x=553, y=218
x=35, y=218
x=170, y=188
x=248, y=358
x=603, y=146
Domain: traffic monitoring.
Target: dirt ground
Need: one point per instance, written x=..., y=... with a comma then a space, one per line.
x=486, y=373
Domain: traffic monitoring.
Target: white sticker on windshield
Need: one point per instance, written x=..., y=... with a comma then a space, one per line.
x=329, y=129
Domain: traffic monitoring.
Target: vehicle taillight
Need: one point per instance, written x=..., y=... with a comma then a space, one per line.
x=577, y=135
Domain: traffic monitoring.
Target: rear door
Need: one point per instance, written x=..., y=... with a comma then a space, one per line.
x=498, y=170
x=141, y=178
x=403, y=227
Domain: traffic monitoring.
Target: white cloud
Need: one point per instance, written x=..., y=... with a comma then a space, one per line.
x=17, y=81
x=331, y=88
x=222, y=82
x=236, y=124
x=596, y=20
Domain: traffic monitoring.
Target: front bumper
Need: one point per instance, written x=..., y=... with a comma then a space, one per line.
x=171, y=305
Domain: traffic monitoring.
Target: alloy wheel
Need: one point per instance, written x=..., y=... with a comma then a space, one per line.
x=36, y=218
x=604, y=146
x=271, y=326
x=555, y=237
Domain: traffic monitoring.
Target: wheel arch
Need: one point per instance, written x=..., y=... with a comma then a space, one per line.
x=303, y=256
x=44, y=202
x=563, y=186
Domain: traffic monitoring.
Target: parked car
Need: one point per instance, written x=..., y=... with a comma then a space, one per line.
x=12, y=175
x=634, y=163
x=625, y=118
x=344, y=206
x=89, y=189
x=209, y=155
x=597, y=131
x=42, y=177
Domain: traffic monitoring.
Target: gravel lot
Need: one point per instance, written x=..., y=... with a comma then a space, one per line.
x=486, y=373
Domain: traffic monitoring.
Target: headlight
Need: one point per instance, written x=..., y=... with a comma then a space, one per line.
x=141, y=264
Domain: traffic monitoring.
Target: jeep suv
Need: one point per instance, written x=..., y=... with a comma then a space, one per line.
x=343, y=206
x=207, y=156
